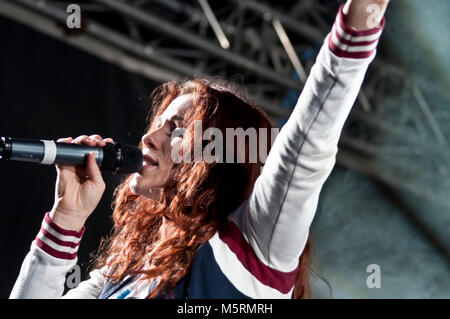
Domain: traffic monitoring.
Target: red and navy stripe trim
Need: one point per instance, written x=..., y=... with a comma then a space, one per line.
x=57, y=241
x=346, y=42
x=281, y=281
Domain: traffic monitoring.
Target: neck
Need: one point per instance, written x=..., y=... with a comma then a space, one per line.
x=166, y=228
x=155, y=194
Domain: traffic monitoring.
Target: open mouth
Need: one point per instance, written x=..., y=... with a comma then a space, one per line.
x=148, y=161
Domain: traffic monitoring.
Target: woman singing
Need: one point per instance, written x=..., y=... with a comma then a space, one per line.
x=228, y=228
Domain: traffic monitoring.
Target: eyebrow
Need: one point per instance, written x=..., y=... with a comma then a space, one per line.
x=173, y=119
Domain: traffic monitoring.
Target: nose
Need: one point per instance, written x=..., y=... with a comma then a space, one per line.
x=152, y=140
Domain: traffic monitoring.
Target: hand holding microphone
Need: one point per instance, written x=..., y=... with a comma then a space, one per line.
x=79, y=183
x=78, y=189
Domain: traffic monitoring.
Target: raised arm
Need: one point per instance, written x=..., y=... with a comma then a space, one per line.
x=275, y=221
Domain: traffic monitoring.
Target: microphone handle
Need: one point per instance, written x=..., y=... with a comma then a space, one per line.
x=48, y=152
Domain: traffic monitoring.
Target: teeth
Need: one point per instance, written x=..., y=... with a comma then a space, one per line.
x=147, y=163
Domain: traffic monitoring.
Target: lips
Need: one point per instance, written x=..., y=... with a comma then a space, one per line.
x=148, y=160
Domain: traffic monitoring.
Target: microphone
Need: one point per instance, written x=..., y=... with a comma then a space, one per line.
x=114, y=157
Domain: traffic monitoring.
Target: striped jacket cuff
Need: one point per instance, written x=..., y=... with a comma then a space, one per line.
x=58, y=242
x=345, y=42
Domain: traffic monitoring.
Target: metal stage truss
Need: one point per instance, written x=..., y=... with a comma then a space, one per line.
x=269, y=47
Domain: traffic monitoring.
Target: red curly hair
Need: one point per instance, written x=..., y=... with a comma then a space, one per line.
x=197, y=196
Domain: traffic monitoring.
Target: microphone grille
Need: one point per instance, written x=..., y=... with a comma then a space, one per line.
x=122, y=159
x=132, y=159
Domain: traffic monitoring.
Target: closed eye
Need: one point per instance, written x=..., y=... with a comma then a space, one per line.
x=175, y=130
x=172, y=126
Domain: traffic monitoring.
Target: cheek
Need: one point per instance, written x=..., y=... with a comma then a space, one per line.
x=176, y=142
x=168, y=148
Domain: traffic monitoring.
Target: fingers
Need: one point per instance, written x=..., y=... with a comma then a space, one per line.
x=65, y=140
x=98, y=139
x=92, y=140
x=93, y=171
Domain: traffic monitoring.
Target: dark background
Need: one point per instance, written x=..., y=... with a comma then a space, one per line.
x=50, y=90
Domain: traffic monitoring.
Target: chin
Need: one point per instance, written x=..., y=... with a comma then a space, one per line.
x=141, y=186
x=132, y=189
x=134, y=186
